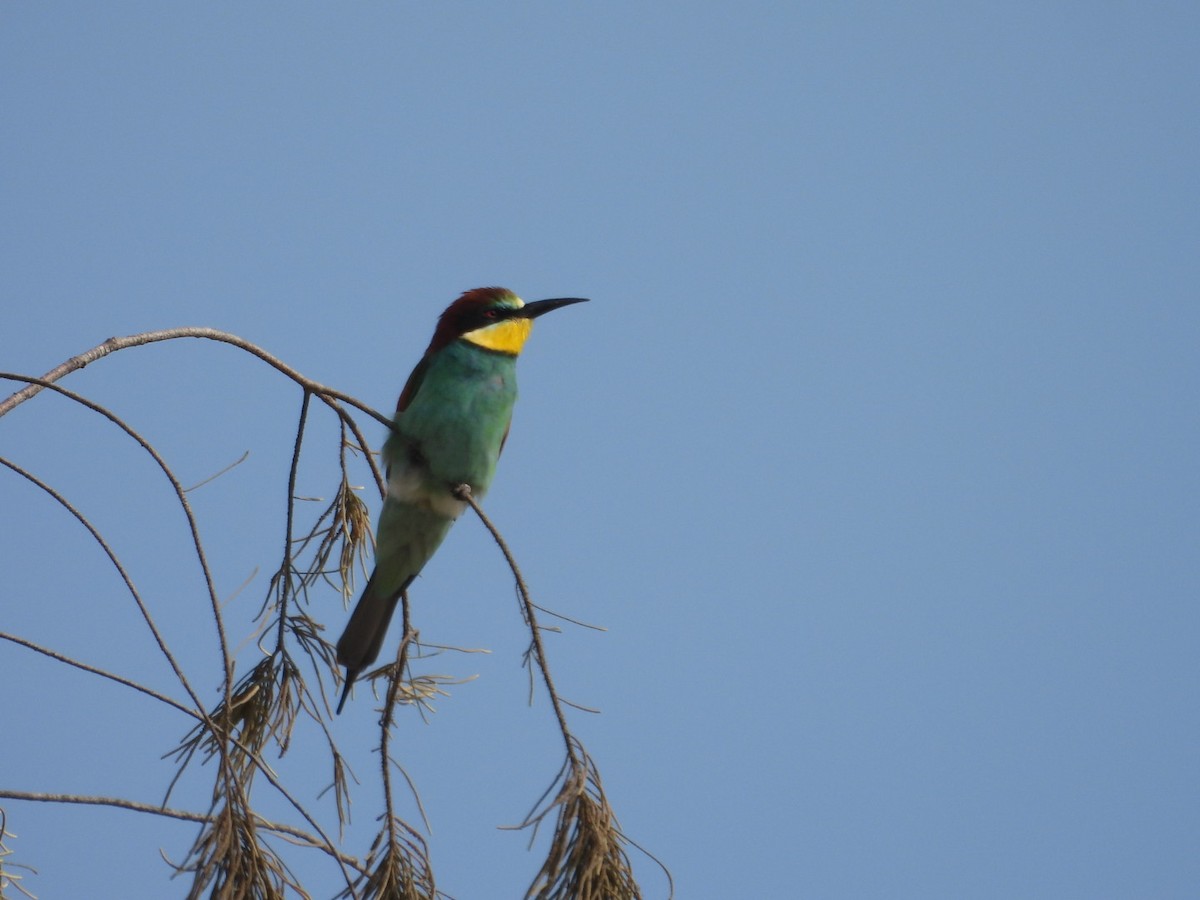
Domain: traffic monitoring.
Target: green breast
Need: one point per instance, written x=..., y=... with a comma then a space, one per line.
x=459, y=416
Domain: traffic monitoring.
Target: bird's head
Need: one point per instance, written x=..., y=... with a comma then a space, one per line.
x=493, y=318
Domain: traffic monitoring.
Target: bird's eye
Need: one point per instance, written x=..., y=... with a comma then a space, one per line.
x=491, y=314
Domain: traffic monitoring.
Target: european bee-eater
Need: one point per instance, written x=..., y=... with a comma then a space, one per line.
x=450, y=425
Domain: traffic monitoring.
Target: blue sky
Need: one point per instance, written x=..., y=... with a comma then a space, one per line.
x=875, y=451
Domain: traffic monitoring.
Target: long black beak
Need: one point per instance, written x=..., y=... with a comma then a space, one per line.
x=538, y=307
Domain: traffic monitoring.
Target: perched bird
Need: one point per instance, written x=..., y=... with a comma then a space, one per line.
x=451, y=422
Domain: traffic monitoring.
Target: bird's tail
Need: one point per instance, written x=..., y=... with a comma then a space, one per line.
x=360, y=642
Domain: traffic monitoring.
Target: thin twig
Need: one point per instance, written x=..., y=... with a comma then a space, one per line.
x=289, y=524
x=463, y=492
x=184, y=815
x=389, y=706
x=233, y=465
x=119, y=679
x=193, y=527
x=125, y=577
x=114, y=344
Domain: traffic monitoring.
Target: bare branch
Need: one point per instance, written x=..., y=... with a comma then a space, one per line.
x=463, y=492
x=233, y=465
x=297, y=834
x=119, y=679
x=113, y=344
x=112, y=557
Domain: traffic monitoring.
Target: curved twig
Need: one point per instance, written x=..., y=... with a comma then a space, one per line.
x=298, y=834
x=112, y=557
x=285, y=589
x=463, y=492
x=119, y=679
x=113, y=344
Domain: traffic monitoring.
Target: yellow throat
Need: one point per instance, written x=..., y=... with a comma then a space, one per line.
x=508, y=336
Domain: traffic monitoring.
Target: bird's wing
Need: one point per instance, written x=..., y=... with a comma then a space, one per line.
x=507, y=429
x=412, y=385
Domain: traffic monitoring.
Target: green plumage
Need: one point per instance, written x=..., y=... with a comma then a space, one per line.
x=458, y=416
